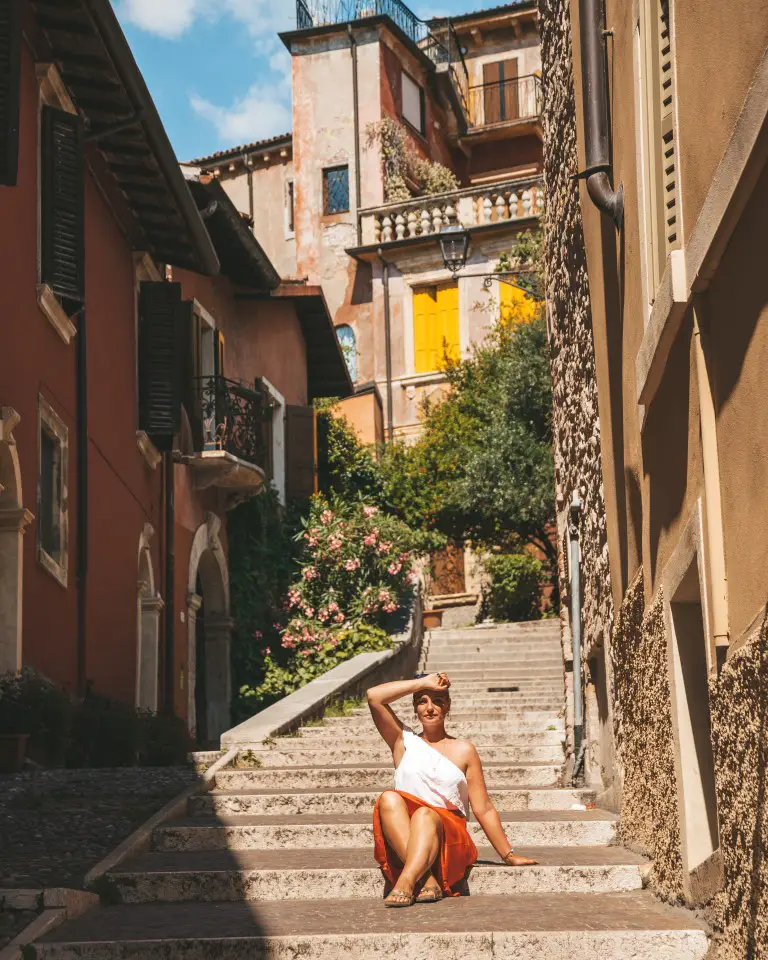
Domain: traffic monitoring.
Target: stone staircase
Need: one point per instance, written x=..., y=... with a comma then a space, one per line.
x=277, y=861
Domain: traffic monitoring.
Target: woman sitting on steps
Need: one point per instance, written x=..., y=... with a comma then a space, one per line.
x=420, y=827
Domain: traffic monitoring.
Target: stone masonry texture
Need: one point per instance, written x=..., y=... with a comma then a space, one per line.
x=644, y=744
x=739, y=700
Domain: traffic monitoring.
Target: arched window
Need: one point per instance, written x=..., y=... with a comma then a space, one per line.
x=348, y=343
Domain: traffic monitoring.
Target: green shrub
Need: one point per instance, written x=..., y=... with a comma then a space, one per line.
x=514, y=593
x=33, y=705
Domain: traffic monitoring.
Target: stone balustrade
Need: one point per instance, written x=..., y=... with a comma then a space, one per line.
x=474, y=207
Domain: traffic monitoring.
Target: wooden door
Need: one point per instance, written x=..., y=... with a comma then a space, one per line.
x=502, y=100
x=448, y=573
x=492, y=92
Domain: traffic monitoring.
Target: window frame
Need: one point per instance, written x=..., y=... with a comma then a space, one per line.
x=336, y=168
x=421, y=129
x=50, y=423
x=290, y=208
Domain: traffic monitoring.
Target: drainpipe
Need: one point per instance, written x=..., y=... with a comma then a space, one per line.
x=388, y=347
x=712, y=492
x=597, y=142
x=170, y=575
x=579, y=743
x=356, y=114
x=81, y=387
x=249, y=175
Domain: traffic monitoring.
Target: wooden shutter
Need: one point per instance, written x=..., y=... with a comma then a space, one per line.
x=447, y=337
x=435, y=326
x=492, y=92
x=10, y=70
x=218, y=353
x=510, y=98
x=191, y=382
x=667, y=134
x=424, y=306
x=301, y=452
x=62, y=213
x=162, y=359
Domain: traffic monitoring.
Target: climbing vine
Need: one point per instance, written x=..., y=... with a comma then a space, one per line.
x=401, y=164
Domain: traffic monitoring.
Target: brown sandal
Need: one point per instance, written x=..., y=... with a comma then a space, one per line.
x=430, y=894
x=401, y=900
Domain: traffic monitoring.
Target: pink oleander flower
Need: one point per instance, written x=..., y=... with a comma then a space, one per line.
x=405, y=557
x=323, y=615
x=370, y=540
x=369, y=512
x=327, y=518
x=333, y=607
x=395, y=568
x=352, y=565
x=258, y=635
x=277, y=626
x=390, y=607
x=384, y=547
x=310, y=573
x=335, y=543
x=335, y=642
x=306, y=653
x=339, y=618
x=266, y=652
x=309, y=612
x=384, y=596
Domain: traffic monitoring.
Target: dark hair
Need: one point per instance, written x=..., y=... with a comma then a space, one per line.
x=445, y=694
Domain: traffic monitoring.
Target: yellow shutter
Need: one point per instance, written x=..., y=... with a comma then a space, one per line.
x=667, y=145
x=516, y=306
x=435, y=326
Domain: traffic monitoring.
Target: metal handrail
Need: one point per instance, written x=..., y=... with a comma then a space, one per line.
x=233, y=415
x=526, y=94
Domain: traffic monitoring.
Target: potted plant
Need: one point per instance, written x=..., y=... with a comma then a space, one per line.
x=14, y=725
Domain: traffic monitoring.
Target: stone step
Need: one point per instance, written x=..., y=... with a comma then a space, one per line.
x=356, y=733
x=301, y=803
x=529, y=718
x=533, y=628
x=492, y=647
x=540, y=724
x=250, y=875
x=453, y=665
x=474, y=669
x=611, y=926
x=533, y=828
x=326, y=755
x=371, y=776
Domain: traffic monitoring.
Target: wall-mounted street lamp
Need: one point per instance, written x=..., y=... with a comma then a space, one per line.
x=455, y=242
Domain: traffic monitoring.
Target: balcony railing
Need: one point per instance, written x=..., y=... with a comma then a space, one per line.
x=499, y=203
x=233, y=417
x=505, y=101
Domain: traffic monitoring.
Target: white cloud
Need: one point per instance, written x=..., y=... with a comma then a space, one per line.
x=173, y=18
x=264, y=111
x=166, y=18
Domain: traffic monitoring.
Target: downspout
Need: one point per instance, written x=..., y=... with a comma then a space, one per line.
x=356, y=116
x=170, y=579
x=388, y=348
x=712, y=493
x=81, y=387
x=597, y=141
x=574, y=565
x=249, y=174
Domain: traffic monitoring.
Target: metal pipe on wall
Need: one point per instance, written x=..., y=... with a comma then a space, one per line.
x=597, y=139
x=356, y=115
x=170, y=576
x=574, y=565
x=388, y=347
x=81, y=387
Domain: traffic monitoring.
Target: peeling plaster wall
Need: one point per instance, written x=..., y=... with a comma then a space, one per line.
x=578, y=458
x=739, y=700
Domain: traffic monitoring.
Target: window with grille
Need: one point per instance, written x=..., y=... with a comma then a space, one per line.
x=661, y=172
x=336, y=190
x=53, y=453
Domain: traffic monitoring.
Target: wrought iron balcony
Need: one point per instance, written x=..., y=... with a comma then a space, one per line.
x=505, y=101
x=235, y=418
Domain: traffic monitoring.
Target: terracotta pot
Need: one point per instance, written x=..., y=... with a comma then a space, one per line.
x=13, y=750
x=433, y=619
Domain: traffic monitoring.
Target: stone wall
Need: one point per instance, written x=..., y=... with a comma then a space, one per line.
x=644, y=743
x=739, y=700
x=576, y=424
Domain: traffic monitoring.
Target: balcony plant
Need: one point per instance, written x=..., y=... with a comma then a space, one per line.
x=406, y=173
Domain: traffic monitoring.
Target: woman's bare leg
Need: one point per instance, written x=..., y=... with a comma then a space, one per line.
x=396, y=827
x=423, y=849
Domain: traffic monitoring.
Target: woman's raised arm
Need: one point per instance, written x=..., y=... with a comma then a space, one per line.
x=379, y=699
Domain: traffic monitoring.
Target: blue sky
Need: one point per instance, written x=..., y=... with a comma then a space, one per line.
x=216, y=68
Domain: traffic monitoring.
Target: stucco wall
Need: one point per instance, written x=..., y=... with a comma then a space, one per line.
x=576, y=421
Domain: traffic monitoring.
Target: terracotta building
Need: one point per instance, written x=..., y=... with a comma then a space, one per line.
x=658, y=307
x=154, y=372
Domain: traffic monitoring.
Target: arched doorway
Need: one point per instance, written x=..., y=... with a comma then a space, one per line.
x=14, y=520
x=210, y=636
x=149, y=605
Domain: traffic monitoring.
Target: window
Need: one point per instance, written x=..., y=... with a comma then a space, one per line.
x=290, y=207
x=501, y=98
x=53, y=452
x=348, y=343
x=660, y=137
x=336, y=190
x=435, y=326
x=414, y=104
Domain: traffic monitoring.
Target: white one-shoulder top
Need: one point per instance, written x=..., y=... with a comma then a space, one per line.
x=428, y=775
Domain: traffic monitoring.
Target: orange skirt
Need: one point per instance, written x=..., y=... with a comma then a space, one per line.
x=457, y=853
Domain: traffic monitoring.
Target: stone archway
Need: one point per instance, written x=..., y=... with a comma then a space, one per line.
x=149, y=605
x=14, y=520
x=209, y=624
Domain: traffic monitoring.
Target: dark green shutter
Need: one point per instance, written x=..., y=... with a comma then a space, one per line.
x=301, y=452
x=192, y=385
x=10, y=68
x=161, y=361
x=62, y=212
